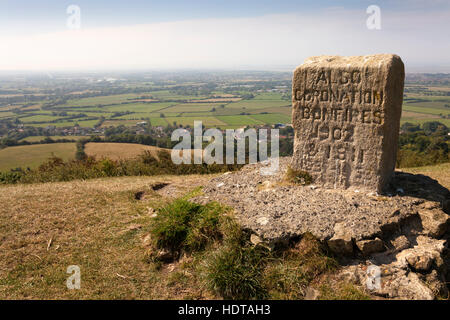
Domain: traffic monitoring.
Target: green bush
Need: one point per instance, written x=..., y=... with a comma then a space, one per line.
x=236, y=272
x=10, y=177
x=183, y=225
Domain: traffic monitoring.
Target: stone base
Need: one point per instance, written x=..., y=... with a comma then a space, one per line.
x=399, y=230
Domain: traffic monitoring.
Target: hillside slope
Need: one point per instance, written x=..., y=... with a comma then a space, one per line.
x=101, y=225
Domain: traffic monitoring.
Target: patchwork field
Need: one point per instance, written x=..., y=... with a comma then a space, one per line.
x=220, y=109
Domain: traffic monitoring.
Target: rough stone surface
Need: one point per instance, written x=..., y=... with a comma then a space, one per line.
x=400, y=243
x=284, y=211
x=342, y=241
x=434, y=222
x=402, y=232
x=346, y=118
x=398, y=279
x=367, y=247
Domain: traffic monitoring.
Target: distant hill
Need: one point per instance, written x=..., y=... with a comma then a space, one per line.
x=100, y=226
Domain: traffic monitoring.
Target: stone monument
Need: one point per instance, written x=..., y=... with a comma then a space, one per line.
x=346, y=117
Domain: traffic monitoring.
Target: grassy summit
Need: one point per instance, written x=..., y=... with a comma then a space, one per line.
x=113, y=228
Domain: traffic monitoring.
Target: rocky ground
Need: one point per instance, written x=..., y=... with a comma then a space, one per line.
x=398, y=238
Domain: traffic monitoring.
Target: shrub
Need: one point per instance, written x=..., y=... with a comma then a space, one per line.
x=10, y=177
x=236, y=272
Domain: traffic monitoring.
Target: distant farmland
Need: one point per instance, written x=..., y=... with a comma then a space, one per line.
x=164, y=107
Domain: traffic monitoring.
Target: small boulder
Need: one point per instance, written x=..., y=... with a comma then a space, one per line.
x=400, y=243
x=420, y=262
x=368, y=247
x=341, y=242
x=434, y=222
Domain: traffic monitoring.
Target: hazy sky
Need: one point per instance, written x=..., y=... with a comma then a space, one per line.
x=227, y=34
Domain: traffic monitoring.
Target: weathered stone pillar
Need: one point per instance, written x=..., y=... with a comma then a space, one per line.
x=346, y=118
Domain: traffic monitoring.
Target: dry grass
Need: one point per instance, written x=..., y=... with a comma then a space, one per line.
x=97, y=225
x=33, y=155
x=440, y=172
x=117, y=151
x=101, y=227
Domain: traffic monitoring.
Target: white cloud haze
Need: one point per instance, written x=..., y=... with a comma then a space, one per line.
x=261, y=42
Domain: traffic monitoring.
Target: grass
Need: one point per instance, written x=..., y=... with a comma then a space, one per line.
x=100, y=226
x=184, y=108
x=440, y=172
x=258, y=104
x=343, y=291
x=272, y=118
x=193, y=107
x=207, y=121
x=158, y=122
x=187, y=226
x=97, y=225
x=139, y=107
x=39, y=118
x=33, y=155
x=239, y=120
x=110, y=99
x=235, y=272
x=116, y=151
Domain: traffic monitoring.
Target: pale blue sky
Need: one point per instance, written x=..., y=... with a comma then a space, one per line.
x=50, y=14
x=259, y=33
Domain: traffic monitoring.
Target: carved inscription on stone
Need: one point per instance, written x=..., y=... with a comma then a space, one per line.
x=346, y=117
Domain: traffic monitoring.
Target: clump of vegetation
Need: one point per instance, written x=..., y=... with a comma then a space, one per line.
x=237, y=272
x=80, y=154
x=298, y=177
x=288, y=275
x=235, y=269
x=187, y=226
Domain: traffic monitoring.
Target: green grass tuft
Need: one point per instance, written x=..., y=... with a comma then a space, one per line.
x=236, y=272
x=288, y=275
x=183, y=225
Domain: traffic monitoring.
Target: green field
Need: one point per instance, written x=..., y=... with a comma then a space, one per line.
x=33, y=155
x=218, y=108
